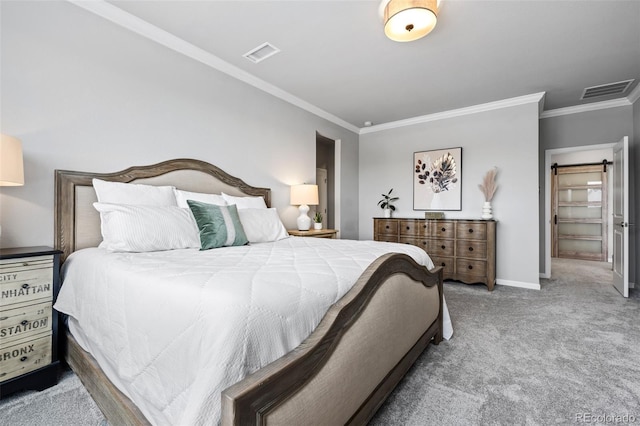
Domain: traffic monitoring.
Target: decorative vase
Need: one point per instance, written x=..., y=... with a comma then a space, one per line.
x=486, y=210
x=317, y=226
x=387, y=213
x=436, y=201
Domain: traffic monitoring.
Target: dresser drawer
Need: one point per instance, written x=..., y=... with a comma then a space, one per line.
x=24, y=356
x=26, y=280
x=471, y=249
x=409, y=240
x=25, y=321
x=439, y=229
x=471, y=231
x=447, y=264
x=471, y=267
x=438, y=247
x=386, y=226
x=411, y=227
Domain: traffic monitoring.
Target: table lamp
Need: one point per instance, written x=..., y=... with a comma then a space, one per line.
x=11, y=166
x=303, y=195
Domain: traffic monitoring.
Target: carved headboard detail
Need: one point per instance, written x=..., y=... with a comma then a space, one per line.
x=77, y=223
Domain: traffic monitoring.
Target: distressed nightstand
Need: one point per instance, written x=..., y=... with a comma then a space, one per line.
x=316, y=233
x=29, y=284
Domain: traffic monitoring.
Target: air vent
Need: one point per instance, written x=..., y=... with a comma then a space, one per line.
x=606, y=89
x=261, y=53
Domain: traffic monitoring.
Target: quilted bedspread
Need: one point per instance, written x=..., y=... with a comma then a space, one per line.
x=178, y=327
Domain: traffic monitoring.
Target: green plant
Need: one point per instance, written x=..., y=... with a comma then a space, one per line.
x=386, y=201
x=317, y=218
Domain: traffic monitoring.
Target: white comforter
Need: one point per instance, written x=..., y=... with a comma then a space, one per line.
x=178, y=327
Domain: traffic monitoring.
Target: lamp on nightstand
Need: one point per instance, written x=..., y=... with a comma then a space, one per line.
x=303, y=195
x=11, y=166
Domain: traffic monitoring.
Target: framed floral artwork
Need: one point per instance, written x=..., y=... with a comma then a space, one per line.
x=437, y=179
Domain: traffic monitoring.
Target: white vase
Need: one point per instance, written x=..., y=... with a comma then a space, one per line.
x=436, y=201
x=317, y=226
x=486, y=210
x=387, y=213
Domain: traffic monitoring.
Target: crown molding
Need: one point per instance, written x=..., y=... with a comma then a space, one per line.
x=490, y=106
x=160, y=36
x=635, y=94
x=595, y=106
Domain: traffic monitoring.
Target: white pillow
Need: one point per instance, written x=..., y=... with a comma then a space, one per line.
x=146, y=228
x=183, y=196
x=134, y=194
x=245, y=202
x=262, y=225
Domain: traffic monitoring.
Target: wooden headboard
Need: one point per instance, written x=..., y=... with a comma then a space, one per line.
x=77, y=223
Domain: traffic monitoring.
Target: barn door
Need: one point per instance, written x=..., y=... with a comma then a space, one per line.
x=579, y=211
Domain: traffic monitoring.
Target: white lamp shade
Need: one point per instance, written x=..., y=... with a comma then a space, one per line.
x=408, y=20
x=304, y=195
x=11, y=166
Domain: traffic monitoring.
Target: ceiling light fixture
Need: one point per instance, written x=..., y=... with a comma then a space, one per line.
x=409, y=20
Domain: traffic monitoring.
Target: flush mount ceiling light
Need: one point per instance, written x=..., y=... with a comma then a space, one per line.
x=408, y=20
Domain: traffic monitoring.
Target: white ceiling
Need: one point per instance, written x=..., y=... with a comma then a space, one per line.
x=334, y=54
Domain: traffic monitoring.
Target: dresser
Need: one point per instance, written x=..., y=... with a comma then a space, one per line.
x=466, y=249
x=29, y=284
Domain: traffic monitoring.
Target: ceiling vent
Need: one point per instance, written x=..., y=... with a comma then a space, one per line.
x=606, y=89
x=261, y=52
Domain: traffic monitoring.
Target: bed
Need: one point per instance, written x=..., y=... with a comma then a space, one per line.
x=354, y=353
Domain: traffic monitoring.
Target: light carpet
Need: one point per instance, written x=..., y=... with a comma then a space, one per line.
x=566, y=353
x=518, y=357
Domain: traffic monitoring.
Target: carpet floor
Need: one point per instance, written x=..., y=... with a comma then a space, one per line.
x=522, y=357
x=565, y=354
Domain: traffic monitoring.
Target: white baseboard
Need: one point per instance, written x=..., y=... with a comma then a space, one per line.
x=520, y=284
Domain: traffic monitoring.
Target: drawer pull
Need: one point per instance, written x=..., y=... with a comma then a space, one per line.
x=470, y=248
x=24, y=322
x=444, y=229
x=424, y=226
x=25, y=285
x=25, y=264
x=387, y=226
x=23, y=359
x=408, y=227
x=443, y=264
x=470, y=267
x=443, y=247
x=471, y=231
x=424, y=243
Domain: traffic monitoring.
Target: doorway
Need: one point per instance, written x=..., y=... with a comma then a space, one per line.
x=567, y=156
x=326, y=179
x=579, y=209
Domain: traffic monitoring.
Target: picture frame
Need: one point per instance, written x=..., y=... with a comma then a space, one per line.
x=437, y=179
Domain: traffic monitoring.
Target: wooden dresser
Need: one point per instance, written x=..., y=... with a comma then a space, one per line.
x=29, y=284
x=466, y=249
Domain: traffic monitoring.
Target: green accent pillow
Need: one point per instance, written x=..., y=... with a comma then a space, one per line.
x=219, y=226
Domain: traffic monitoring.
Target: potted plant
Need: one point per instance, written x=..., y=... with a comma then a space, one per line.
x=386, y=203
x=317, y=221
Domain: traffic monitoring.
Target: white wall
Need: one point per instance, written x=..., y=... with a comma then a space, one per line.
x=84, y=94
x=506, y=138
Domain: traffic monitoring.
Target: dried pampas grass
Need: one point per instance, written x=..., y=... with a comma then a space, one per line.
x=488, y=185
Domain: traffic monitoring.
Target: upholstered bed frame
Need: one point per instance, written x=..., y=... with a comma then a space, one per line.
x=340, y=374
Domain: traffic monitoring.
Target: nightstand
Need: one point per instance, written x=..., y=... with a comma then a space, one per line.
x=29, y=284
x=316, y=233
